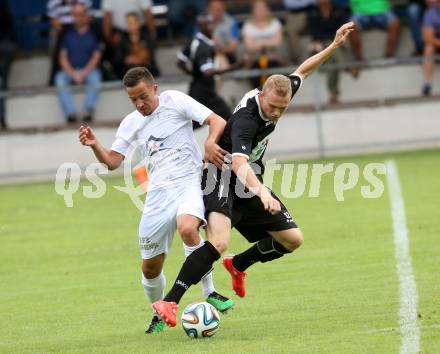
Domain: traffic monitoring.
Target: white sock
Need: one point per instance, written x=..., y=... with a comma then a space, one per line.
x=207, y=283
x=154, y=288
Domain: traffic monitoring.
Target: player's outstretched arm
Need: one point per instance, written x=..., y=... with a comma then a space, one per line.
x=235, y=66
x=110, y=158
x=183, y=67
x=312, y=63
x=247, y=177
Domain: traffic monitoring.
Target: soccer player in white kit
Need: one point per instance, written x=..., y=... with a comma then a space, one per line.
x=162, y=124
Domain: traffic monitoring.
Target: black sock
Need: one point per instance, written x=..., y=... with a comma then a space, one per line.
x=196, y=265
x=263, y=251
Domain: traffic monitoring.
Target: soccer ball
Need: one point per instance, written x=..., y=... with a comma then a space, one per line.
x=200, y=320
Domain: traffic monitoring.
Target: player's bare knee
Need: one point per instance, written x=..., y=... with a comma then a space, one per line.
x=189, y=234
x=294, y=240
x=150, y=271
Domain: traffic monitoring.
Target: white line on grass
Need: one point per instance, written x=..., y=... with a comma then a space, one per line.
x=409, y=325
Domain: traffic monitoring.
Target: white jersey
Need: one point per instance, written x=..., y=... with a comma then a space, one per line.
x=166, y=137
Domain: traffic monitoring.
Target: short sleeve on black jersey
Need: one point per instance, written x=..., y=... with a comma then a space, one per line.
x=203, y=58
x=296, y=82
x=243, y=132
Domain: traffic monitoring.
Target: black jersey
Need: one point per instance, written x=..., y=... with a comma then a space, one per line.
x=200, y=53
x=247, y=130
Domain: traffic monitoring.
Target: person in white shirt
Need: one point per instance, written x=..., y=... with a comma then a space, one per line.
x=263, y=39
x=162, y=126
x=263, y=33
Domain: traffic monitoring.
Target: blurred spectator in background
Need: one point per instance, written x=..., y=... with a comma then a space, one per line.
x=412, y=10
x=323, y=22
x=61, y=19
x=342, y=3
x=182, y=15
x=115, y=21
x=296, y=24
x=431, y=36
x=6, y=55
x=135, y=49
x=115, y=28
x=225, y=36
x=197, y=59
x=79, y=59
x=415, y=11
x=377, y=14
x=262, y=38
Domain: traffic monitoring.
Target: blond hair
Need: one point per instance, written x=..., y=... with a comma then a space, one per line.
x=280, y=83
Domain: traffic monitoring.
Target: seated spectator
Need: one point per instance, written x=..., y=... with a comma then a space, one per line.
x=296, y=24
x=115, y=28
x=226, y=32
x=323, y=21
x=226, y=36
x=61, y=19
x=431, y=36
x=79, y=59
x=378, y=14
x=262, y=38
x=134, y=49
x=115, y=12
x=412, y=10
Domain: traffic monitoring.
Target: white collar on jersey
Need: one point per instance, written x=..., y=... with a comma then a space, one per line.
x=262, y=116
x=205, y=39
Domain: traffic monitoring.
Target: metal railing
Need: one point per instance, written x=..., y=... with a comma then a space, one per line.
x=236, y=75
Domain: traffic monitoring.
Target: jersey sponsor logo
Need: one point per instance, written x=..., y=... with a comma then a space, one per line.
x=156, y=145
x=243, y=147
x=258, y=151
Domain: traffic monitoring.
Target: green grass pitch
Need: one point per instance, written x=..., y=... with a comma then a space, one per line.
x=70, y=277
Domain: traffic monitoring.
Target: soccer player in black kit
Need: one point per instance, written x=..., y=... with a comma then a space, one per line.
x=197, y=59
x=262, y=219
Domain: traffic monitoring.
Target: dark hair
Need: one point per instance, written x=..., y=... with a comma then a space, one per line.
x=137, y=74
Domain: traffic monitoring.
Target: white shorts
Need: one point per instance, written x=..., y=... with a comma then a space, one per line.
x=158, y=222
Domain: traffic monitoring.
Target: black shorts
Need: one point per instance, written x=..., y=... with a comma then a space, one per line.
x=247, y=215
